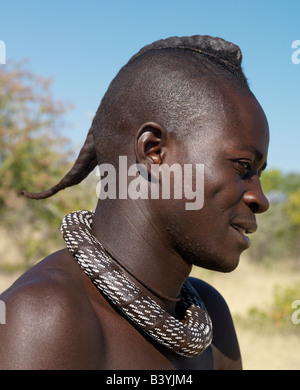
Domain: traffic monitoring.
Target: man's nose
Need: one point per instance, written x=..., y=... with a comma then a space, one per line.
x=255, y=198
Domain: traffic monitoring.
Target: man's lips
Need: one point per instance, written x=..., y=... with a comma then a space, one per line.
x=243, y=227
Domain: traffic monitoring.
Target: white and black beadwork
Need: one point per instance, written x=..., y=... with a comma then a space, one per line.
x=188, y=337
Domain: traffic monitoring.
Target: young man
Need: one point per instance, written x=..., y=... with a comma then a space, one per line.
x=119, y=296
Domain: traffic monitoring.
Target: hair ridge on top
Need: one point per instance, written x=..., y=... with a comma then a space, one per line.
x=219, y=51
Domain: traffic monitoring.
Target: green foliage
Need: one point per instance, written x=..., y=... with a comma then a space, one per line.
x=293, y=209
x=31, y=150
x=274, y=180
x=278, y=235
x=271, y=180
x=278, y=314
x=34, y=156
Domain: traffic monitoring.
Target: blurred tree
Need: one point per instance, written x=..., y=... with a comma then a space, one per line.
x=275, y=180
x=278, y=235
x=271, y=181
x=292, y=209
x=33, y=156
x=32, y=152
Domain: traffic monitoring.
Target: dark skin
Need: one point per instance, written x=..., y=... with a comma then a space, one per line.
x=56, y=317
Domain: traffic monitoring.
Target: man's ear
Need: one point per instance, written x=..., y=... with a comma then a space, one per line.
x=149, y=143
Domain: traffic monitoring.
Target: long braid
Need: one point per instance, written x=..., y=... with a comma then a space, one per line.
x=219, y=51
x=84, y=164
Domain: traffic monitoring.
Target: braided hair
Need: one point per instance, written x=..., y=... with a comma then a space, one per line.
x=218, y=54
x=219, y=51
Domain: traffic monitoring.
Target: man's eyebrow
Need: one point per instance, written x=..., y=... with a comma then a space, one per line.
x=258, y=154
x=251, y=148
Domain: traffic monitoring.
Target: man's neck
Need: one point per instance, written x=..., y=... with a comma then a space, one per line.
x=129, y=234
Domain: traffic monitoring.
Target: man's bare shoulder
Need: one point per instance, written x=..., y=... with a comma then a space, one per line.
x=225, y=344
x=49, y=279
x=47, y=309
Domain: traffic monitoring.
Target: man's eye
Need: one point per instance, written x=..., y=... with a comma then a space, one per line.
x=244, y=168
x=246, y=165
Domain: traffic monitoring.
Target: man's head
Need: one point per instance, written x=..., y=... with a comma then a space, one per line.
x=198, y=59
x=171, y=82
x=187, y=100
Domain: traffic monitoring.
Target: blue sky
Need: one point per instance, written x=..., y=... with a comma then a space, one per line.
x=83, y=44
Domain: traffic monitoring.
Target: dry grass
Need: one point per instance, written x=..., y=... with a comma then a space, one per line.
x=249, y=285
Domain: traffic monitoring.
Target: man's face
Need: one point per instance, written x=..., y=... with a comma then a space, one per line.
x=233, y=150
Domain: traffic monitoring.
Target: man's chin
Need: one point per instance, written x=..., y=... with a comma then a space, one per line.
x=214, y=260
x=224, y=265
